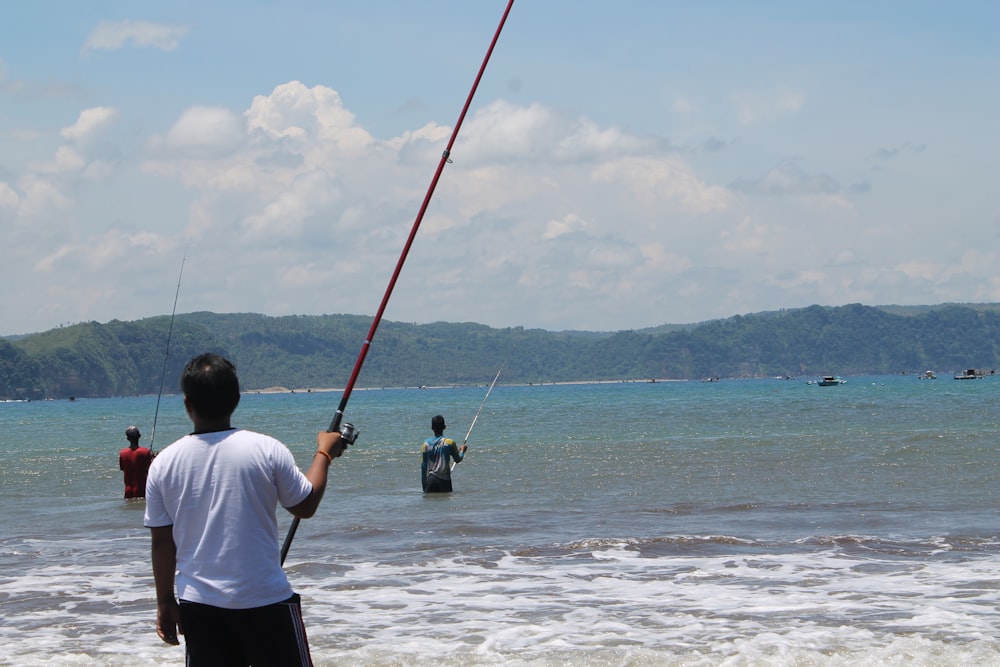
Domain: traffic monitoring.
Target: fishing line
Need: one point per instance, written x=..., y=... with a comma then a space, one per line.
x=445, y=159
x=481, y=405
x=166, y=352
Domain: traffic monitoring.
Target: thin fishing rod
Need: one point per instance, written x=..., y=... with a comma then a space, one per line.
x=339, y=414
x=481, y=406
x=166, y=352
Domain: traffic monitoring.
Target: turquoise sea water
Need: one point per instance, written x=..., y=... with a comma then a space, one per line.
x=674, y=523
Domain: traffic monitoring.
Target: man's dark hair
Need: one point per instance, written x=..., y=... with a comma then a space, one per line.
x=437, y=423
x=210, y=385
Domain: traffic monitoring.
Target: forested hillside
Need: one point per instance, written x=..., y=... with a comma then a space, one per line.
x=127, y=358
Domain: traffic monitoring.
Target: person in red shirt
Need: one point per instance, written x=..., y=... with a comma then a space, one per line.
x=134, y=462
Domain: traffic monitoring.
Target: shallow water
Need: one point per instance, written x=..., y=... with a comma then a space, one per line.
x=688, y=523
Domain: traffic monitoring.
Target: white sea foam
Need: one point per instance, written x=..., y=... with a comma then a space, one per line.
x=718, y=525
x=729, y=607
x=611, y=606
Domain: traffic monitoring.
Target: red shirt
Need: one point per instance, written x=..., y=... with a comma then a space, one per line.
x=135, y=463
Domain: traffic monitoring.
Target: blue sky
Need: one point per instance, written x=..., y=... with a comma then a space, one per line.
x=623, y=165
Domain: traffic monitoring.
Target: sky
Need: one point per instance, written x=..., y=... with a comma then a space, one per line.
x=622, y=164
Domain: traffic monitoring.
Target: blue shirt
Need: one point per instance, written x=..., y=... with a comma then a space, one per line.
x=435, y=457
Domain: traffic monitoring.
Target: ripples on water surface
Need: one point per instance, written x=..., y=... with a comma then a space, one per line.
x=733, y=522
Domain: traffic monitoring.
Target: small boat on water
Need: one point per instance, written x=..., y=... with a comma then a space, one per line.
x=928, y=375
x=830, y=380
x=969, y=374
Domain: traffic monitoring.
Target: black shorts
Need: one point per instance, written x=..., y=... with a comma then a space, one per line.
x=434, y=485
x=261, y=636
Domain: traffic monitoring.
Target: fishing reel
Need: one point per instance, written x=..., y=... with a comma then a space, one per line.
x=348, y=433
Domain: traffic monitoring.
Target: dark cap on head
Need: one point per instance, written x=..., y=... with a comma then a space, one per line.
x=132, y=432
x=437, y=423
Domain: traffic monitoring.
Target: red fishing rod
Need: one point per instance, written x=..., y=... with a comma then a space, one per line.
x=348, y=429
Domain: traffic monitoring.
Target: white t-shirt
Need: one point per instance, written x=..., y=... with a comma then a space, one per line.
x=220, y=491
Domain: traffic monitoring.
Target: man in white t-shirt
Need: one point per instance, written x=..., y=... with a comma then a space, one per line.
x=211, y=498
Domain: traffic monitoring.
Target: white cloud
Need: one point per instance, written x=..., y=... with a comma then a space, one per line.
x=756, y=106
x=285, y=215
x=204, y=133
x=89, y=123
x=113, y=35
x=752, y=238
x=431, y=132
x=659, y=258
x=41, y=198
x=566, y=225
x=67, y=159
x=48, y=262
x=658, y=180
x=922, y=269
x=542, y=219
x=298, y=113
x=533, y=198
x=8, y=198
x=684, y=105
x=98, y=170
x=503, y=131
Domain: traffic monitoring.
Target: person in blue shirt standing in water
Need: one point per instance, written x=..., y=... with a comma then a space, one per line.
x=435, y=459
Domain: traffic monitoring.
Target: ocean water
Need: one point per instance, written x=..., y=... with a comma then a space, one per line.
x=761, y=522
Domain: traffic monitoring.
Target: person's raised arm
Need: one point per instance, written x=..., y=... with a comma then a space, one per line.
x=328, y=447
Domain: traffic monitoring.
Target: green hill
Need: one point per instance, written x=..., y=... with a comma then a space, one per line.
x=128, y=358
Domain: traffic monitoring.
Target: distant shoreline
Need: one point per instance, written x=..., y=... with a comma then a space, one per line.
x=316, y=390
